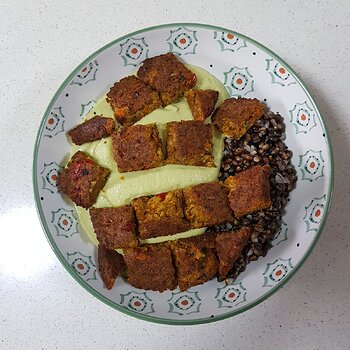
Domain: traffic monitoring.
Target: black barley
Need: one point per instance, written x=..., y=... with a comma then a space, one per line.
x=262, y=144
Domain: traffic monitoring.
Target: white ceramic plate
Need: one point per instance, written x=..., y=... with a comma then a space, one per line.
x=247, y=69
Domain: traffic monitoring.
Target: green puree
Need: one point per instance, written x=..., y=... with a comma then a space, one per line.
x=121, y=188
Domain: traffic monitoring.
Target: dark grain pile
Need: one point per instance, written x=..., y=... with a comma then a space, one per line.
x=263, y=143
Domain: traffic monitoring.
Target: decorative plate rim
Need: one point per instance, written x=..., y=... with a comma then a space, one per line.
x=159, y=320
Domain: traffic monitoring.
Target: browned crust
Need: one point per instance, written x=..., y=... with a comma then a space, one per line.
x=160, y=215
x=189, y=142
x=110, y=264
x=150, y=267
x=195, y=260
x=236, y=115
x=82, y=179
x=249, y=190
x=207, y=204
x=115, y=227
x=206, y=240
x=168, y=76
x=229, y=246
x=201, y=102
x=137, y=147
x=93, y=129
x=131, y=99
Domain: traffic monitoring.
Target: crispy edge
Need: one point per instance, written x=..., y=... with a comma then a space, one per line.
x=119, y=139
x=194, y=252
x=229, y=246
x=233, y=117
x=196, y=210
x=93, y=129
x=201, y=103
x=145, y=257
x=246, y=186
x=96, y=214
x=68, y=186
x=152, y=218
x=110, y=264
x=206, y=159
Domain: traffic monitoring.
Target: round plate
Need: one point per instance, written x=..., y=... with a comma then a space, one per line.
x=247, y=69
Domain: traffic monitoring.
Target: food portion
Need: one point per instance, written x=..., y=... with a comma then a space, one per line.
x=93, y=129
x=168, y=76
x=166, y=214
x=262, y=144
x=157, y=197
x=189, y=142
x=150, y=267
x=249, y=190
x=229, y=246
x=122, y=188
x=160, y=215
x=207, y=205
x=82, y=180
x=137, y=147
x=131, y=99
x=195, y=260
x=110, y=264
x=115, y=227
x=236, y=115
x=201, y=102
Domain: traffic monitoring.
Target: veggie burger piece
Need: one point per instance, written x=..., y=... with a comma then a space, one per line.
x=93, y=129
x=82, y=179
x=168, y=76
x=131, y=99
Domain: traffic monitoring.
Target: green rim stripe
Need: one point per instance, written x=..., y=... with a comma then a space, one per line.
x=104, y=299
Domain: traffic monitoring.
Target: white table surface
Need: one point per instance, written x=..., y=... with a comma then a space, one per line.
x=41, y=306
